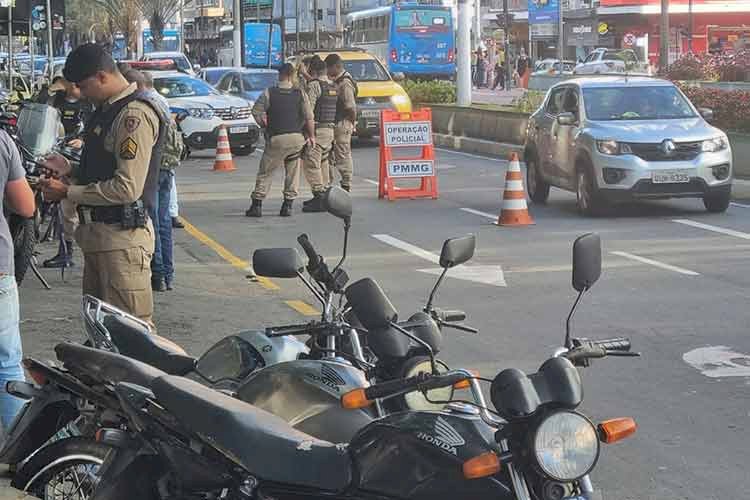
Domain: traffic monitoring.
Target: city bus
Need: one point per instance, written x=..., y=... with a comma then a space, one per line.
x=255, y=45
x=415, y=39
x=170, y=42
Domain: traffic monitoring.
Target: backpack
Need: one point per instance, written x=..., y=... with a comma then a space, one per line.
x=173, y=147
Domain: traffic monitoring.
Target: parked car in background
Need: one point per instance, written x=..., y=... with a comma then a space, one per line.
x=206, y=110
x=617, y=139
x=552, y=66
x=213, y=74
x=249, y=82
x=612, y=61
x=181, y=61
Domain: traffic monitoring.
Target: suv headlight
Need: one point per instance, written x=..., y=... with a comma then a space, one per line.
x=400, y=100
x=719, y=143
x=610, y=147
x=202, y=113
x=566, y=446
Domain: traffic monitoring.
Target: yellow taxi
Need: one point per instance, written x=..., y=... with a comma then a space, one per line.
x=377, y=88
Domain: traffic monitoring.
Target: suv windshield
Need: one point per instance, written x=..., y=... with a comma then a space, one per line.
x=366, y=70
x=259, y=81
x=182, y=87
x=636, y=103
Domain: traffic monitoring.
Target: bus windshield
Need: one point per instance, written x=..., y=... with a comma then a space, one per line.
x=423, y=20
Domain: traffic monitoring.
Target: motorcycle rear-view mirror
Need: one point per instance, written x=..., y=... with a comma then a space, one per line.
x=277, y=262
x=228, y=359
x=370, y=304
x=338, y=203
x=456, y=251
x=587, y=261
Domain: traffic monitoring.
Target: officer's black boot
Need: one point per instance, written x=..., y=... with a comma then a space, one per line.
x=63, y=259
x=286, y=208
x=315, y=205
x=255, y=209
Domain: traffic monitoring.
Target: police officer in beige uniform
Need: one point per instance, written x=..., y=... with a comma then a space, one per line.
x=115, y=183
x=323, y=97
x=284, y=111
x=346, y=117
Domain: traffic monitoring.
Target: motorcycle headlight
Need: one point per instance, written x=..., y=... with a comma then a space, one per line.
x=416, y=401
x=713, y=145
x=202, y=113
x=566, y=446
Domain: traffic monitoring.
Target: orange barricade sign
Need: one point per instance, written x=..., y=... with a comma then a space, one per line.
x=401, y=130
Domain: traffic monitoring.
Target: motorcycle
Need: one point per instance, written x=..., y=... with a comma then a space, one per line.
x=184, y=440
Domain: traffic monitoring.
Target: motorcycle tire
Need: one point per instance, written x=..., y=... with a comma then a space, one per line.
x=23, y=232
x=71, y=462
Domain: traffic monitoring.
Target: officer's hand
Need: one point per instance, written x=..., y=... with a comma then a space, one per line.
x=53, y=189
x=76, y=143
x=57, y=165
x=311, y=142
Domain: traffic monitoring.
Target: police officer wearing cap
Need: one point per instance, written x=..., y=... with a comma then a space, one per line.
x=284, y=111
x=115, y=183
x=323, y=97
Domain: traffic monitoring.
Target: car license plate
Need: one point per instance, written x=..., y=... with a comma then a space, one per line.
x=371, y=113
x=670, y=177
x=239, y=130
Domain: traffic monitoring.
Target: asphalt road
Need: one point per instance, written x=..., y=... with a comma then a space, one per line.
x=675, y=279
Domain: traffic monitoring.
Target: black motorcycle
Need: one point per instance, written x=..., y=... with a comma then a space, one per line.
x=184, y=440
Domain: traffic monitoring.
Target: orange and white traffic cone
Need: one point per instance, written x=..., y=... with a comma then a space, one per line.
x=224, y=162
x=515, y=212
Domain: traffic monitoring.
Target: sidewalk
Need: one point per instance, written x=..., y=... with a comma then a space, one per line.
x=497, y=97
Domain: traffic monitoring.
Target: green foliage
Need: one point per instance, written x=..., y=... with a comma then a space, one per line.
x=430, y=92
x=529, y=102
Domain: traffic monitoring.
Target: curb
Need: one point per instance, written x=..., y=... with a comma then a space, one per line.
x=476, y=146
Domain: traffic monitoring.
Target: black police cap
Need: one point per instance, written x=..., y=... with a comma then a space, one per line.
x=85, y=61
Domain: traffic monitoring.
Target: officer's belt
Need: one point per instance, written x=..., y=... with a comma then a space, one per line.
x=105, y=215
x=325, y=125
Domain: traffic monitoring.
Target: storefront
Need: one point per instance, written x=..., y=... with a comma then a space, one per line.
x=581, y=33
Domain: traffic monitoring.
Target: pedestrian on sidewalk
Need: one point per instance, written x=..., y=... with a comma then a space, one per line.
x=522, y=69
x=16, y=195
x=499, y=72
x=481, y=70
x=285, y=114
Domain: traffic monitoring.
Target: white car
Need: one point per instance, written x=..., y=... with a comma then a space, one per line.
x=180, y=60
x=203, y=110
x=552, y=66
x=612, y=61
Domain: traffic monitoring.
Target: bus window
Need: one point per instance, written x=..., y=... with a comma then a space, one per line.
x=423, y=19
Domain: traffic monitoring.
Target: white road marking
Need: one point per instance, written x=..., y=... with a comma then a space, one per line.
x=718, y=361
x=716, y=229
x=741, y=205
x=461, y=153
x=370, y=181
x=656, y=263
x=488, y=275
x=479, y=213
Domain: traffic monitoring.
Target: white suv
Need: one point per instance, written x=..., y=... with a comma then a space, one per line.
x=205, y=110
x=611, y=61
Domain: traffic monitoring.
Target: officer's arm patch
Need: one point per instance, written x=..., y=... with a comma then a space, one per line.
x=128, y=149
x=131, y=123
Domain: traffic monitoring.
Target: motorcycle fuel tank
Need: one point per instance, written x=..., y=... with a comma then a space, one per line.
x=307, y=394
x=420, y=455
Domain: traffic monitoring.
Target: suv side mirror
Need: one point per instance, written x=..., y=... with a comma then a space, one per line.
x=707, y=114
x=587, y=261
x=566, y=119
x=196, y=67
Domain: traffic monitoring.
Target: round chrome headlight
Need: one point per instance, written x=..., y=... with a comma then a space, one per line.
x=566, y=446
x=416, y=401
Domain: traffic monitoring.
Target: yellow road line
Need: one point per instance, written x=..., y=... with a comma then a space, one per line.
x=225, y=254
x=303, y=308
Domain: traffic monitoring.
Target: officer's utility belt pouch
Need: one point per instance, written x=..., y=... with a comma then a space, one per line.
x=130, y=216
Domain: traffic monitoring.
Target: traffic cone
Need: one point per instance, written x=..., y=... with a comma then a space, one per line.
x=515, y=212
x=224, y=162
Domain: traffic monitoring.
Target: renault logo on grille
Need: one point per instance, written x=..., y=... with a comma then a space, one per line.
x=668, y=147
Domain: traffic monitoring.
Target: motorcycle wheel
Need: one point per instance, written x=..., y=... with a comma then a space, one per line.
x=64, y=470
x=24, y=241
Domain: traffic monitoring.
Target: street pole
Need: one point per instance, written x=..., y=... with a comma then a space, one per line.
x=31, y=53
x=296, y=21
x=463, y=57
x=182, y=26
x=10, y=46
x=339, y=31
x=283, y=30
x=50, y=47
x=315, y=24
x=237, y=35
x=506, y=45
x=664, y=36
x=257, y=10
x=690, y=26
x=477, y=24
x=560, y=35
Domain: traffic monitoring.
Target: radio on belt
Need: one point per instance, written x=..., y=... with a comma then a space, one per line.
x=398, y=131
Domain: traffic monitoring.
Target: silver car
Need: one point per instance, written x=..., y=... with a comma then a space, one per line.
x=617, y=139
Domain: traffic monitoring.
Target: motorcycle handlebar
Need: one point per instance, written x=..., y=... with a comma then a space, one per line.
x=615, y=344
x=450, y=316
x=312, y=255
x=422, y=382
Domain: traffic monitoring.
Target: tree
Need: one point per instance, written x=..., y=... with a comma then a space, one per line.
x=158, y=13
x=82, y=17
x=123, y=17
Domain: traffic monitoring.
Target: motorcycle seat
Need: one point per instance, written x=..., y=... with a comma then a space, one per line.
x=266, y=445
x=135, y=341
x=105, y=366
